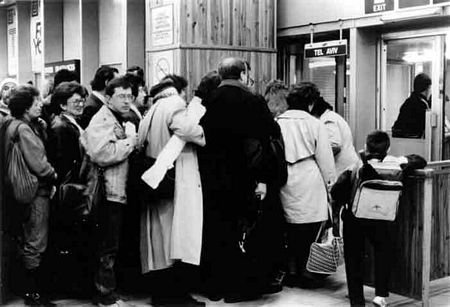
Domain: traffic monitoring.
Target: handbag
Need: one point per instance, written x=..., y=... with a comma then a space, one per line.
x=327, y=254
x=23, y=183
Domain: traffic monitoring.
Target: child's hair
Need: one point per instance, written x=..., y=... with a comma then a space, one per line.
x=377, y=144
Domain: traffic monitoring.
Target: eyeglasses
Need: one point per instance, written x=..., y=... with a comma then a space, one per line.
x=251, y=81
x=78, y=101
x=124, y=96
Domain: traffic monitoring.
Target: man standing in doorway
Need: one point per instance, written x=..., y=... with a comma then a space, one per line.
x=411, y=119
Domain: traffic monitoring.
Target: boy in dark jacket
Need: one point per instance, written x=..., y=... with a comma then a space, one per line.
x=377, y=231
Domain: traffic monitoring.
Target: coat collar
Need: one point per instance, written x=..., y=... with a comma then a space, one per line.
x=233, y=82
x=294, y=114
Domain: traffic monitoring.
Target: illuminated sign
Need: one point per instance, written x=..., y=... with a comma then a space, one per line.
x=378, y=6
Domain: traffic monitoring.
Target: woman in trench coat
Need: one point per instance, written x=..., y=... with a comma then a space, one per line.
x=311, y=172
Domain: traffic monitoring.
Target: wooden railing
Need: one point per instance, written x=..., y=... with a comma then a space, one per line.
x=421, y=233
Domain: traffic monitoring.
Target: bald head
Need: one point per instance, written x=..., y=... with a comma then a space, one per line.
x=231, y=68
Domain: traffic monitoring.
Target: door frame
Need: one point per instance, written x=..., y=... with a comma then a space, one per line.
x=437, y=81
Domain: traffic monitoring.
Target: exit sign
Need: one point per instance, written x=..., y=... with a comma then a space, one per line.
x=328, y=48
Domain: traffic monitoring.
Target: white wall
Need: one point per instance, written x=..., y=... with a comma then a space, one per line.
x=303, y=12
x=112, y=33
x=363, y=69
x=72, y=39
x=53, y=25
x=3, y=45
x=136, y=33
x=90, y=54
x=23, y=33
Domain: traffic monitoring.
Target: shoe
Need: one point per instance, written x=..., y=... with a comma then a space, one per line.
x=214, y=297
x=241, y=297
x=182, y=301
x=379, y=301
x=108, y=305
x=35, y=299
x=271, y=288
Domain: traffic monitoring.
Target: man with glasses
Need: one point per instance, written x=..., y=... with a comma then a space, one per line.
x=109, y=141
x=233, y=179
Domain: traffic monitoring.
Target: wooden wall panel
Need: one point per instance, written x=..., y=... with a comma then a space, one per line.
x=244, y=23
x=198, y=62
x=440, y=233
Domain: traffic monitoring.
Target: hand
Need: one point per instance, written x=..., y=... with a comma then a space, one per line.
x=261, y=190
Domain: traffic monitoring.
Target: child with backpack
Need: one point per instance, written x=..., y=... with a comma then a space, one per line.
x=370, y=194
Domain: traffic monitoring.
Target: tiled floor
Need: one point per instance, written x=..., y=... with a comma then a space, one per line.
x=333, y=294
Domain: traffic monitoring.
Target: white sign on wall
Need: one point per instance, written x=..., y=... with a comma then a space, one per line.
x=13, y=51
x=36, y=42
x=162, y=25
x=162, y=65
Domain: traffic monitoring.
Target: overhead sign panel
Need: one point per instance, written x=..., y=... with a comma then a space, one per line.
x=328, y=48
x=410, y=3
x=378, y=6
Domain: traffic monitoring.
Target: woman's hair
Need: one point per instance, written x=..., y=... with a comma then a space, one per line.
x=179, y=82
x=320, y=106
x=63, y=92
x=302, y=95
x=161, y=86
x=21, y=99
x=208, y=83
x=275, y=95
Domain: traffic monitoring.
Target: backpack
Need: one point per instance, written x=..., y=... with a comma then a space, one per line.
x=376, y=192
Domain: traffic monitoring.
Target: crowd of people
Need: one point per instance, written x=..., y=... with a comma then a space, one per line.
x=243, y=190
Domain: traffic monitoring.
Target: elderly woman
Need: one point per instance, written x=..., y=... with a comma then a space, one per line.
x=6, y=86
x=172, y=226
x=310, y=173
x=30, y=221
x=339, y=133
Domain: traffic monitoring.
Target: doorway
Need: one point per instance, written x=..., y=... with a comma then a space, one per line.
x=404, y=56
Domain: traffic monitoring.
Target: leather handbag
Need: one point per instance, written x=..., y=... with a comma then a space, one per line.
x=23, y=183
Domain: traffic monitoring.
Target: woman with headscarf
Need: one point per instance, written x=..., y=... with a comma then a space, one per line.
x=171, y=228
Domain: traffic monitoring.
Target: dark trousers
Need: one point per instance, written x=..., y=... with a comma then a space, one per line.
x=109, y=223
x=299, y=238
x=225, y=269
x=379, y=235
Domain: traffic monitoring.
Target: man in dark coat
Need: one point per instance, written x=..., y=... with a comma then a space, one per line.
x=97, y=98
x=411, y=119
x=233, y=178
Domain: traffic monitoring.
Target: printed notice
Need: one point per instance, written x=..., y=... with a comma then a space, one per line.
x=162, y=25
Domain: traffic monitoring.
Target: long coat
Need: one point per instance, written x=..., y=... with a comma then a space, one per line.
x=171, y=229
x=310, y=167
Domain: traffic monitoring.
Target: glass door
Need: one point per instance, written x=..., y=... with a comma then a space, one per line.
x=403, y=58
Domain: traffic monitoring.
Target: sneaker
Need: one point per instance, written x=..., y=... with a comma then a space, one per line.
x=379, y=301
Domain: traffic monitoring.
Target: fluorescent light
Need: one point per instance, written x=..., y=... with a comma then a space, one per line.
x=322, y=63
x=418, y=57
x=407, y=15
